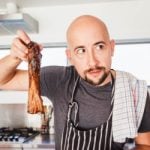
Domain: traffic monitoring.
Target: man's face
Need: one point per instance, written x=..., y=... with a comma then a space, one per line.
x=90, y=52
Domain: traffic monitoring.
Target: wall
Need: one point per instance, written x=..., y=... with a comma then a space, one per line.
x=125, y=20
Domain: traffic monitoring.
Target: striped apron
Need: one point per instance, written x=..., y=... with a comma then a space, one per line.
x=74, y=138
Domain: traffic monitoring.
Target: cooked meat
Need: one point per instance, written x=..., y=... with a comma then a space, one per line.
x=35, y=102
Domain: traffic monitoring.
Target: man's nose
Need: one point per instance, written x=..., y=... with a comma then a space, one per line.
x=92, y=59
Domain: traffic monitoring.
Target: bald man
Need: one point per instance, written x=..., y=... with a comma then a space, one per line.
x=85, y=94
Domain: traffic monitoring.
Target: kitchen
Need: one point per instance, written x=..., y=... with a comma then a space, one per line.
x=132, y=29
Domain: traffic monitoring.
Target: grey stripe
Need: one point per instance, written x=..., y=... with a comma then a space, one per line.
x=76, y=111
x=73, y=139
x=68, y=116
x=110, y=140
x=84, y=139
x=100, y=140
x=78, y=140
x=68, y=138
x=106, y=134
x=95, y=139
x=89, y=140
x=110, y=115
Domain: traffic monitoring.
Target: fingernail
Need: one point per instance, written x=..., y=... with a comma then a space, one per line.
x=27, y=41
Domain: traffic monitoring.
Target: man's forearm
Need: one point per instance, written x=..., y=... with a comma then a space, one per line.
x=143, y=139
x=141, y=147
x=8, y=66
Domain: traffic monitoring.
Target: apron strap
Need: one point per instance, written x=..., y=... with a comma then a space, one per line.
x=74, y=104
x=74, y=88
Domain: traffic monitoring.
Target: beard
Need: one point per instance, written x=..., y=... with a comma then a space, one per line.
x=101, y=79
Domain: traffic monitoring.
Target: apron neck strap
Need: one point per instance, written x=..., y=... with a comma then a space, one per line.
x=73, y=104
x=74, y=88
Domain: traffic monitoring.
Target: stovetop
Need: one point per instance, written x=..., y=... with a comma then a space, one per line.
x=17, y=135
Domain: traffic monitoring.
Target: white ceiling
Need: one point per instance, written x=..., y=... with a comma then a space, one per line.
x=36, y=3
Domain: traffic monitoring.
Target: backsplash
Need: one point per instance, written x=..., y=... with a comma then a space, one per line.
x=13, y=111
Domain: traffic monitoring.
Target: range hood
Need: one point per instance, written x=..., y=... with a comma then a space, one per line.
x=10, y=23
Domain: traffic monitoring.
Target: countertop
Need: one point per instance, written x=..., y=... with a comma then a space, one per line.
x=40, y=142
x=45, y=141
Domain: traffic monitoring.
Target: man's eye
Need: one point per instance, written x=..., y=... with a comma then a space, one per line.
x=80, y=51
x=99, y=46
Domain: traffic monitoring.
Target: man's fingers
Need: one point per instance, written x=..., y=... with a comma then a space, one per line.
x=23, y=36
x=18, y=43
x=40, y=46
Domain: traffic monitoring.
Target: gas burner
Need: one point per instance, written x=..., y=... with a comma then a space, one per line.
x=17, y=135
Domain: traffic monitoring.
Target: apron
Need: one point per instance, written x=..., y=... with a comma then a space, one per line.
x=98, y=138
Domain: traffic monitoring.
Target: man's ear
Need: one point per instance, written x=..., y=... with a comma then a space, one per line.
x=112, y=42
x=68, y=54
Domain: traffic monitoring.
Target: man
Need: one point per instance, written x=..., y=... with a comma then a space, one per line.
x=95, y=107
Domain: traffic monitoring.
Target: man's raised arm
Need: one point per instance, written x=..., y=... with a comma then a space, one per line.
x=10, y=77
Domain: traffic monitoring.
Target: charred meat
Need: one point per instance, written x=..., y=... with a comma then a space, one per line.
x=35, y=102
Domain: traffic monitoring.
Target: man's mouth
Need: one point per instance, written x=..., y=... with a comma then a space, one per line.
x=94, y=72
x=96, y=76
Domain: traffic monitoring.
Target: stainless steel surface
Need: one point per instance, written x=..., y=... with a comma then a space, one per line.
x=40, y=142
x=13, y=115
x=10, y=23
x=16, y=116
x=44, y=141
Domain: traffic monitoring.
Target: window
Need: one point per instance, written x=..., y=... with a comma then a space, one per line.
x=54, y=56
x=50, y=56
x=133, y=58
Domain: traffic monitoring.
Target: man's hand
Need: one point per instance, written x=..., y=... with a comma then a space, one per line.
x=18, y=48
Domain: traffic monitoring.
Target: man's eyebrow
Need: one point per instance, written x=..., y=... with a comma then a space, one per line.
x=79, y=47
x=99, y=42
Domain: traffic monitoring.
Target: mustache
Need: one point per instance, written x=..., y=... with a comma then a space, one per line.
x=95, y=68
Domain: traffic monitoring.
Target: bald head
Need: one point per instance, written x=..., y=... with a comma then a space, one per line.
x=84, y=23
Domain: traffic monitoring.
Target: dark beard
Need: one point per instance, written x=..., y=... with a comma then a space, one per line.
x=101, y=80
